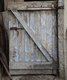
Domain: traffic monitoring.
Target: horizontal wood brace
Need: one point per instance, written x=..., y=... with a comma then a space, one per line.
x=48, y=5
x=39, y=9
x=33, y=72
x=32, y=65
x=36, y=9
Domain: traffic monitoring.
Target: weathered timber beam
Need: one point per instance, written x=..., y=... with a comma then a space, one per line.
x=36, y=5
x=44, y=51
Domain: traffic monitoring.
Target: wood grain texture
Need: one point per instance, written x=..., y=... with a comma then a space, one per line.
x=47, y=56
x=36, y=5
x=42, y=25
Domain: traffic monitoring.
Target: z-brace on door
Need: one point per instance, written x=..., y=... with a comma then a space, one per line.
x=33, y=40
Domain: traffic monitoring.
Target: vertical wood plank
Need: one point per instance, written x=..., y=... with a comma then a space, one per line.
x=46, y=30
x=13, y=38
x=13, y=46
x=49, y=31
x=32, y=26
x=37, y=19
x=54, y=36
x=48, y=22
x=21, y=45
x=28, y=40
x=43, y=29
x=27, y=45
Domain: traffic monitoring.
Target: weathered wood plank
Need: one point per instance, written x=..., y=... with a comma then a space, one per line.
x=21, y=42
x=33, y=71
x=37, y=23
x=31, y=43
x=32, y=65
x=36, y=5
x=49, y=32
x=48, y=57
x=29, y=53
x=46, y=30
x=27, y=44
x=54, y=38
x=13, y=46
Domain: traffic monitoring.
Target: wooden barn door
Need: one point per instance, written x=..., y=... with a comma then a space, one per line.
x=33, y=40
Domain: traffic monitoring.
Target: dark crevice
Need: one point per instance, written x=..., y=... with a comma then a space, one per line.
x=1, y=5
x=39, y=0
